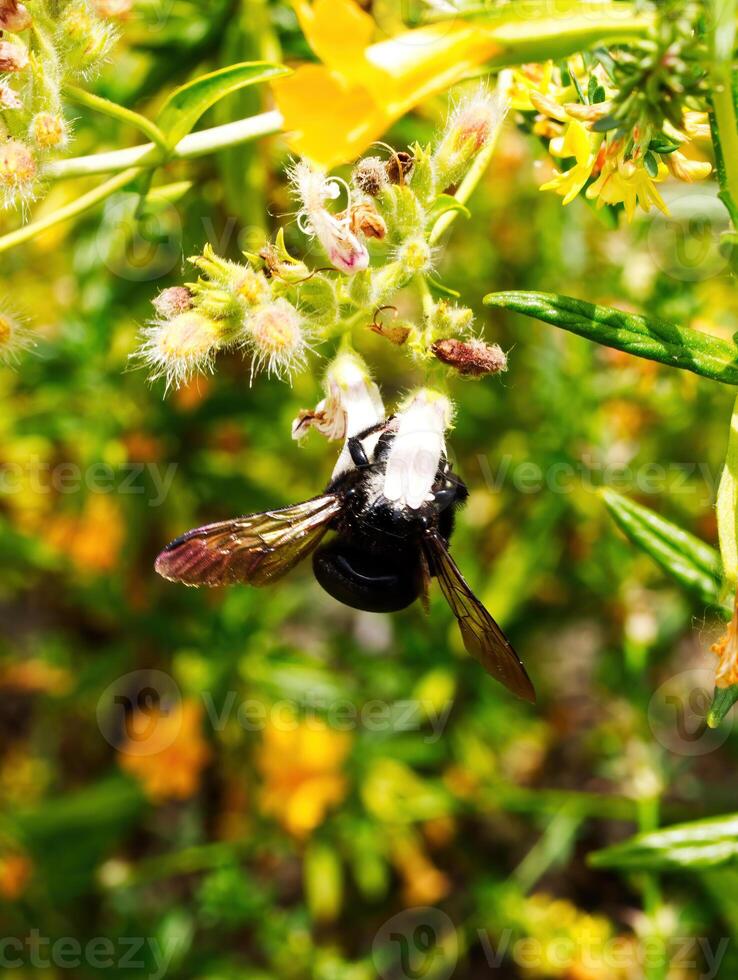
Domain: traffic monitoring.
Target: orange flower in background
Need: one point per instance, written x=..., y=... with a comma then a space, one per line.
x=15, y=873
x=165, y=750
x=300, y=763
x=92, y=540
x=423, y=882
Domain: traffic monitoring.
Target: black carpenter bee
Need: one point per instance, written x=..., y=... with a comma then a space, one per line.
x=380, y=557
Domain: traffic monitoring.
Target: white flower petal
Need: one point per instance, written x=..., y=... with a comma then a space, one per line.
x=417, y=449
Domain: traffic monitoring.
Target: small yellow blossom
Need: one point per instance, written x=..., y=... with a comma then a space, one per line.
x=628, y=183
x=576, y=142
x=166, y=751
x=685, y=168
x=301, y=763
x=518, y=84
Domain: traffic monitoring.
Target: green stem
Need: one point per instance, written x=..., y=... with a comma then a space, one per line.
x=194, y=145
x=77, y=207
x=648, y=820
x=115, y=111
x=723, y=118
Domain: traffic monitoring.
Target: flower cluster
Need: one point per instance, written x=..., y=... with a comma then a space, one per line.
x=376, y=231
x=612, y=149
x=42, y=46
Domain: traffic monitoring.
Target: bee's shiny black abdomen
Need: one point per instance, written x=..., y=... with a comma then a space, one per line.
x=372, y=581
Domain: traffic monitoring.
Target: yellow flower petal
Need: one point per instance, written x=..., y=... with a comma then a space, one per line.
x=338, y=31
x=329, y=121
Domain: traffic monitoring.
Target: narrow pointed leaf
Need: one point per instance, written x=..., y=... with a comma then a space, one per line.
x=655, y=340
x=692, y=563
x=186, y=105
x=699, y=844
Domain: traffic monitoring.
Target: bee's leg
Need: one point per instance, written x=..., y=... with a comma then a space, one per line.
x=356, y=447
x=358, y=453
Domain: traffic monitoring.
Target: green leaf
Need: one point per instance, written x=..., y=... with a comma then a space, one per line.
x=438, y=287
x=605, y=124
x=699, y=844
x=445, y=203
x=693, y=564
x=183, y=108
x=722, y=701
x=662, y=144
x=652, y=339
x=651, y=164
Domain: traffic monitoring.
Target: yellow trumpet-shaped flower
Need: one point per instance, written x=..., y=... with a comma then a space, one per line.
x=579, y=143
x=336, y=109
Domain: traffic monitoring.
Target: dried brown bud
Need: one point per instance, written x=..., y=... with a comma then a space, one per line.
x=14, y=16
x=472, y=358
x=396, y=333
x=365, y=219
x=370, y=176
x=13, y=57
x=399, y=166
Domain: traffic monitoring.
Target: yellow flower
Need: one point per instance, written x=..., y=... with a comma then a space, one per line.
x=165, y=750
x=300, y=763
x=685, y=167
x=519, y=83
x=576, y=142
x=627, y=182
x=571, y=944
x=337, y=109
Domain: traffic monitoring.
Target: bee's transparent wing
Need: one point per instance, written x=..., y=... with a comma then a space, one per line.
x=256, y=549
x=482, y=637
